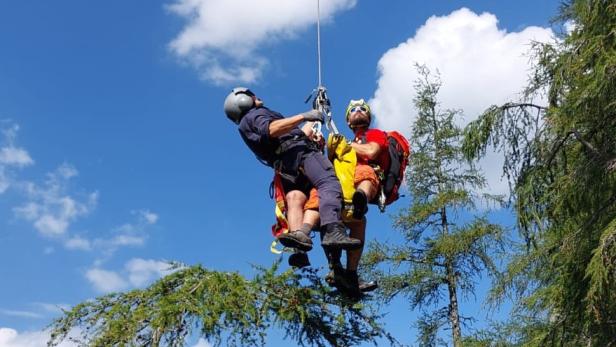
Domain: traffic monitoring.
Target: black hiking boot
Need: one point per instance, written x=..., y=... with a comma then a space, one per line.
x=296, y=239
x=337, y=278
x=347, y=282
x=360, y=204
x=299, y=260
x=351, y=284
x=335, y=237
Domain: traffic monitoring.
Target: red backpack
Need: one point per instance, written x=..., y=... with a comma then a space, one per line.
x=399, y=151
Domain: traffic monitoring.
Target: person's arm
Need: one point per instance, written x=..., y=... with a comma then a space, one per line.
x=368, y=150
x=280, y=127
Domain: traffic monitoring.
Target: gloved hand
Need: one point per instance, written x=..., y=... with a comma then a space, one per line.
x=313, y=116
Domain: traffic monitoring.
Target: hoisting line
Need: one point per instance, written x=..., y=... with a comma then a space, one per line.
x=319, y=40
x=321, y=101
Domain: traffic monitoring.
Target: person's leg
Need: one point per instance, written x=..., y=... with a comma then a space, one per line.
x=295, y=238
x=357, y=231
x=366, y=184
x=350, y=282
x=311, y=218
x=295, y=201
x=311, y=212
x=368, y=188
x=320, y=173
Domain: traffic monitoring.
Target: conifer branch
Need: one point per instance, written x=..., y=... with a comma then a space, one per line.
x=221, y=305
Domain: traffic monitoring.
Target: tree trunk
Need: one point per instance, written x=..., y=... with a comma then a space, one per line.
x=454, y=315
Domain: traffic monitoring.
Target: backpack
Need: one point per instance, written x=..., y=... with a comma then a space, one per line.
x=399, y=151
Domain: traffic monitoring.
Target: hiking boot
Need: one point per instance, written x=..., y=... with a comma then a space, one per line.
x=351, y=284
x=296, y=239
x=360, y=204
x=335, y=237
x=347, y=282
x=344, y=281
x=299, y=260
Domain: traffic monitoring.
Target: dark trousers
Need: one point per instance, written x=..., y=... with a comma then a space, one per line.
x=312, y=169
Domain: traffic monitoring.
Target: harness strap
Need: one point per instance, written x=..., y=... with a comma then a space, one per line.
x=289, y=143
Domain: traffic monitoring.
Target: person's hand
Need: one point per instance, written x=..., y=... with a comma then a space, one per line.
x=317, y=137
x=313, y=116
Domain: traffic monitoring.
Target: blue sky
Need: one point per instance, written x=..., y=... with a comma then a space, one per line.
x=115, y=154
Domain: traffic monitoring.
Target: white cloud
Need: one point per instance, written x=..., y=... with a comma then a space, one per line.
x=223, y=40
x=51, y=308
x=143, y=271
x=15, y=156
x=78, y=243
x=50, y=208
x=148, y=217
x=106, y=281
x=4, y=181
x=51, y=225
x=11, y=338
x=202, y=343
x=38, y=310
x=479, y=63
x=137, y=272
x=570, y=26
x=127, y=240
x=133, y=234
x=11, y=156
x=19, y=313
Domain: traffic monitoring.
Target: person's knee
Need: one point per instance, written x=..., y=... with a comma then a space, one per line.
x=368, y=187
x=295, y=198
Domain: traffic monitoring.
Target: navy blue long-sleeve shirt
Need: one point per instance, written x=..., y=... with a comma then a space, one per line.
x=254, y=129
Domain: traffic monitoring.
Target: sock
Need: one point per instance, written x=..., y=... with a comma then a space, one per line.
x=305, y=228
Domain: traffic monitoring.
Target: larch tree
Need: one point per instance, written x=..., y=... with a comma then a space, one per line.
x=560, y=158
x=222, y=307
x=448, y=242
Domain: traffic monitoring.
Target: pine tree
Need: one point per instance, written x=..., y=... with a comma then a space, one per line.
x=442, y=254
x=221, y=306
x=561, y=162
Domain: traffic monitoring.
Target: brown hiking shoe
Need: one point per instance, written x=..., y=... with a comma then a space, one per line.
x=335, y=237
x=296, y=239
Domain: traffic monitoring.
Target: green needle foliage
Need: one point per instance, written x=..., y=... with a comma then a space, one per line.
x=221, y=306
x=442, y=254
x=561, y=162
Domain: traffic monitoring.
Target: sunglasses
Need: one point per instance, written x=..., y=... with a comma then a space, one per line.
x=359, y=108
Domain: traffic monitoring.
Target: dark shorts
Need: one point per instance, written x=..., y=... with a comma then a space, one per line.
x=292, y=172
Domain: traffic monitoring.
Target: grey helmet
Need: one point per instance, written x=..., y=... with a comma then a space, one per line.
x=238, y=103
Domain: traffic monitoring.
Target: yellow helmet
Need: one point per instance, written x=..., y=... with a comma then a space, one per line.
x=358, y=103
